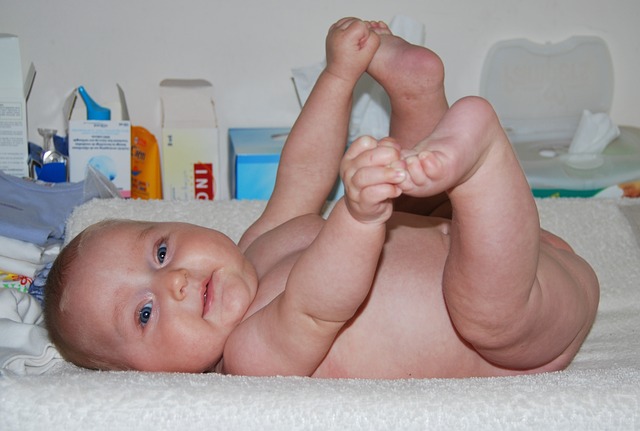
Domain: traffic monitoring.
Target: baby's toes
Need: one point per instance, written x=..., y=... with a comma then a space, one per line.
x=432, y=165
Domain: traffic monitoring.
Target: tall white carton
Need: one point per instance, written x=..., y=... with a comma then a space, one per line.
x=105, y=145
x=190, y=141
x=14, y=149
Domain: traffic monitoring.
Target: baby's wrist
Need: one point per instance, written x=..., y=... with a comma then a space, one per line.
x=334, y=72
x=367, y=219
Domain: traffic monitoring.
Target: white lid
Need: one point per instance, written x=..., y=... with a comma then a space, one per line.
x=540, y=90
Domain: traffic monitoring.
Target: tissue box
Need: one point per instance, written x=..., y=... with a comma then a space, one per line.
x=13, y=108
x=609, y=192
x=627, y=189
x=190, y=142
x=540, y=93
x=255, y=154
x=105, y=145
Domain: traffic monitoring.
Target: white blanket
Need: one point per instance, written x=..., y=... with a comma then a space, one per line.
x=24, y=344
x=600, y=389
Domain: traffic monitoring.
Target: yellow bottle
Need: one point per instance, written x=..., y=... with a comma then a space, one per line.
x=146, y=179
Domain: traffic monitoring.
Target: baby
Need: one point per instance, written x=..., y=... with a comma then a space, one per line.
x=462, y=283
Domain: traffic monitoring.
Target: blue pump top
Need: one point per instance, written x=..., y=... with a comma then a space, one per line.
x=94, y=111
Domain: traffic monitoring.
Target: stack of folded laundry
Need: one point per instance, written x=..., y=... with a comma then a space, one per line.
x=32, y=222
x=21, y=261
x=32, y=218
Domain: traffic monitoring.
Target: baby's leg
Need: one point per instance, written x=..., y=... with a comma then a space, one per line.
x=413, y=77
x=520, y=300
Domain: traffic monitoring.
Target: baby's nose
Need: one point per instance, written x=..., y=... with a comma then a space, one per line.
x=177, y=282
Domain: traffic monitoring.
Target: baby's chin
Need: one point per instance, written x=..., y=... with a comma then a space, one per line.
x=203, y=364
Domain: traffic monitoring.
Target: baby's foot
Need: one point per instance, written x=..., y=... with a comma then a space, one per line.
x=403, y=68
x=378, y=27
x=466, y=148
x=413, y=77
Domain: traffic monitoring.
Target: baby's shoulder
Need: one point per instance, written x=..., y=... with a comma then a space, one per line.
x=288, y=238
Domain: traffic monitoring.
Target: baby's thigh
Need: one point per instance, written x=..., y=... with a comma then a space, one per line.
x=554, y=241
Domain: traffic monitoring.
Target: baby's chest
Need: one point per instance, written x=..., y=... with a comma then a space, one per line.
x=273, y=282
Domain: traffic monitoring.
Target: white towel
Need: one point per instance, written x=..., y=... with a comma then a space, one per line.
x=599, y=391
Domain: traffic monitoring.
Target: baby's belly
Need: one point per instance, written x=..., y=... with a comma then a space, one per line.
x=403, y=330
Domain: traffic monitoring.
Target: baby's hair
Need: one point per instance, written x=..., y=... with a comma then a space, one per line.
x=58, y=320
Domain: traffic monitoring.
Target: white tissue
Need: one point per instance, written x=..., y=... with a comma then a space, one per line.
x=371, y=109
x=594, y=133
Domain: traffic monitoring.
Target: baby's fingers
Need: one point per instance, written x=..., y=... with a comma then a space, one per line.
x=375, y=175
x=367, y=151
x=369, y=192
x=359, y=146
x=343, y=23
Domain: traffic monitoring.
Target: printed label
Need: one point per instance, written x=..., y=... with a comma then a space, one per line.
x=203, y=181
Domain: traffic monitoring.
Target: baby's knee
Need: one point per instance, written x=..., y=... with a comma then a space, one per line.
x=476, y=118
x=477, y=107
x=555, y=241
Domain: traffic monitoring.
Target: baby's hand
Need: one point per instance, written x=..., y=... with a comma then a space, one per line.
x=351, y=44
x=371, y=172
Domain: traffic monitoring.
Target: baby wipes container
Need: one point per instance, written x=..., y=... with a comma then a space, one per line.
x=539, y=92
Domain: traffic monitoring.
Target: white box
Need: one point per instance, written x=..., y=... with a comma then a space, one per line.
x=14, y=147
x=106, y=145
x=190, y=140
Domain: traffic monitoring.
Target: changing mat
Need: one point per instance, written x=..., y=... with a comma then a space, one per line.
x=599, y=390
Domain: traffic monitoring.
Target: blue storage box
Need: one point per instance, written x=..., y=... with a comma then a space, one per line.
x=255, y=154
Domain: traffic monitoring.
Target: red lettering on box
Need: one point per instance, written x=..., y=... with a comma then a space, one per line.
x=204, y=181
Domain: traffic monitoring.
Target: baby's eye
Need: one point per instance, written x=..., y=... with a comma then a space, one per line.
x=161, y=253
x=144, y=315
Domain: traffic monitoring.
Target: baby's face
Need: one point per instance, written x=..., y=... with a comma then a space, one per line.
x=160, y=296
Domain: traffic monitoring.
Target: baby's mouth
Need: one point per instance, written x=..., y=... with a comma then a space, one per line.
x=207, y=297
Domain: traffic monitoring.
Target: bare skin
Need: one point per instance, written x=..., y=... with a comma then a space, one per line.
x=369, y=292
x=495, y=311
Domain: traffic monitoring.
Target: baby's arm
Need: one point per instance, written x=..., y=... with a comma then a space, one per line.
x=330, y=280
x=311, y=156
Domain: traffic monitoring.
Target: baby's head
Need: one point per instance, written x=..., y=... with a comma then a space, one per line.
x=147, y=296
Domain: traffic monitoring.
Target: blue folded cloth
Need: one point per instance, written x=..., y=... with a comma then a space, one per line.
x=36, y=289
x=36, y=212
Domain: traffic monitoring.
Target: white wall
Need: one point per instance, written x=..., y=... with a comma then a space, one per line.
x=247, y=48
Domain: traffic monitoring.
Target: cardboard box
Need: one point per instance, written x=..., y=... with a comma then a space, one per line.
x=14, y=150
x=255, y=154
x=190, y=141
x=105, y=145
